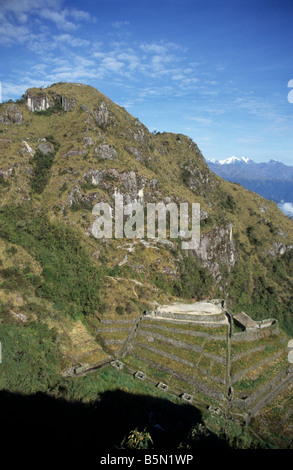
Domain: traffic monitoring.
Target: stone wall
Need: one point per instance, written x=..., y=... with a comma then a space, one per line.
x=256, y=334
x=201, y=319
x=173, y=329
x=181, y=344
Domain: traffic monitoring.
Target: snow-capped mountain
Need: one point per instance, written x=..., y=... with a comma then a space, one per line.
x=234, y=161
x=272, y=179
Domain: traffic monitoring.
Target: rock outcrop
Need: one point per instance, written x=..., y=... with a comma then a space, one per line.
x=106, y=152
x=12, y=115
x=44, y=100
x=101, y=114
x=216, y=247
x=46, y=148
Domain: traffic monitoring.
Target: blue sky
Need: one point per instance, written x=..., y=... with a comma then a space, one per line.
x=217, y=71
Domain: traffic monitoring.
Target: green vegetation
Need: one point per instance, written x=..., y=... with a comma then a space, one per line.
x=42, y=164
x=195, y=281
x=69, y=279
x=65, y=283
x=265, y=293
x=56, y=108
x=30, y=358
x=3, y=183
x=138, y=440
x=18, y=278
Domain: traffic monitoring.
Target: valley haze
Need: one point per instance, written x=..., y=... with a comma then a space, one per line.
x=272, y=179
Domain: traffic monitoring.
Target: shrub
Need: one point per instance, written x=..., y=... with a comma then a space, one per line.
x=195, y=281
x=42, y=165
x=69, y=278
x=30, y=358
x=137, y=440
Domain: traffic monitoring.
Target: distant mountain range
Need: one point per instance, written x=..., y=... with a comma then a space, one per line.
x=272, y=180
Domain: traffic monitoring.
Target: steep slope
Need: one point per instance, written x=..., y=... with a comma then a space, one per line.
x=75, y=299
x=80, y=150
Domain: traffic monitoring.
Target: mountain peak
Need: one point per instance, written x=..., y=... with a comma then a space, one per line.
x=234, y=160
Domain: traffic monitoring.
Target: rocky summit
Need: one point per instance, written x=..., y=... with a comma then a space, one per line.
x=80, y=303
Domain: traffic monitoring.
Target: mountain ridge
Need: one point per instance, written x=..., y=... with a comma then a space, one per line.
x=77, y=299
x=109, y=155
x=272, y=180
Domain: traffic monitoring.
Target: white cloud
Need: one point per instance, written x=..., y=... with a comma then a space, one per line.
x=14, y=34
x=99, y=55
x=57, y=58
x=287, y=208
x=59, y=18
x=156, y=48
x=80, y=15
x=161, y=48
x=112, y=64
x=70, y=40
x=21, y=19
x=119, y=24
x=10, y=90
x=200, y=120
x=249, y=140
x=132, y=60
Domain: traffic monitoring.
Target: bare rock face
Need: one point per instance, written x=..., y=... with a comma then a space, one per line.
x=106, y=152
x=12, y=115
x=204, y=215
x=197, y=178
x=5, y=174
x=67, y=103
x=216, y=247
x=131, y=185
x=139, y=134
x=86, y=200
x=94, y=177
x=74, y=196
x=85, y=108
x=278, y=248
x=101, y=114
x=27, y=148
x=39, y=102
x=134, y=151
x=127, y=183
x=4, y=119
x=46, y=148
x=74, y=153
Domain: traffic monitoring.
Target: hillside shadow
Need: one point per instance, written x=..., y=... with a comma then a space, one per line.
x=46, y=424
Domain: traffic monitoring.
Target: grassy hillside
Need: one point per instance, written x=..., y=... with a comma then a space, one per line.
x=68, y=299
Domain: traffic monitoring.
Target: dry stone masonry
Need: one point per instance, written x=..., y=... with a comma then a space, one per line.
x=195, y=353
x=202, y=313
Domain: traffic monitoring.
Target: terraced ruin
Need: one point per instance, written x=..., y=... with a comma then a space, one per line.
x=201, y=353
x=73, y=303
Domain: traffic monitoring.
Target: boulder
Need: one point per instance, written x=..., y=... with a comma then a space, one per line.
x=93, y=176
x=106, y=152
x=11, y=116
x=14, y=115
x=46, y=148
